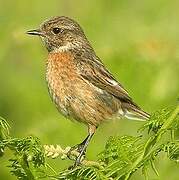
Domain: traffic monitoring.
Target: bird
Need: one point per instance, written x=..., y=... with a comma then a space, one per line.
x=79, y=83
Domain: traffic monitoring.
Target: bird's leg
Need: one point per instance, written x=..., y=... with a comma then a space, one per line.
x=82, y=147
x=77, y=148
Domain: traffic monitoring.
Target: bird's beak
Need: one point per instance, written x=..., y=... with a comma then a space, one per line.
x=36, y=32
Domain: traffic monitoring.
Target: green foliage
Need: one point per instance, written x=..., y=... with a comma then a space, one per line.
x=121, y=157
x=28, y=154
x=4, y=132
x=119, y=154
x=137, y=41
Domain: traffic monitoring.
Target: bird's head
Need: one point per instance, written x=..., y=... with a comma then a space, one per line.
x=60, y=33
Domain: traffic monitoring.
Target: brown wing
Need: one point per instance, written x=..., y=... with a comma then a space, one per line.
x=96, y=73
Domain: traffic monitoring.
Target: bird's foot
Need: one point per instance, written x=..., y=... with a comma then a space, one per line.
x=78, y=160
x=80, y=149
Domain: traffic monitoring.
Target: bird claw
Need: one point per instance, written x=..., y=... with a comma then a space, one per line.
x=69, y=154
x=78, y=161
x=79, y=158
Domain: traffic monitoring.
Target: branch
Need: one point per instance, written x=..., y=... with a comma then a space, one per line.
x=56, y=151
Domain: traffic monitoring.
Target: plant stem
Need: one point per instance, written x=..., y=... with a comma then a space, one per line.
x=152, y=142
x=56, y=151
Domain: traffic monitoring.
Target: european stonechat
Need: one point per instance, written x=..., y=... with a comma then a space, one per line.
x=78, y=82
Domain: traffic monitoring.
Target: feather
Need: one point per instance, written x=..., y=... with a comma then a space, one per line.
x=95, y=72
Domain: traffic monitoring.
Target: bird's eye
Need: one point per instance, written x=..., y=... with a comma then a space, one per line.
x=56, y=30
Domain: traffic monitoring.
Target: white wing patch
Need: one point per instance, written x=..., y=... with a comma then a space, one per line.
x=113, y=82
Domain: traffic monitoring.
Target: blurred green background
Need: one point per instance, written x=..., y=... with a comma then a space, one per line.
x=137, y=40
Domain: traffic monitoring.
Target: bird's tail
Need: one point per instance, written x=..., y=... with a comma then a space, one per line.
x=132, y=111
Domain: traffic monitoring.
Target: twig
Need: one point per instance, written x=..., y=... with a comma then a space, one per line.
x=55, y=151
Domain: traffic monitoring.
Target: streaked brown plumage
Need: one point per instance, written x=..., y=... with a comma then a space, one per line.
x=78, y=82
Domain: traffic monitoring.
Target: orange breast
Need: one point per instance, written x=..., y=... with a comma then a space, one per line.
x=74, y=96
x=59, y=74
